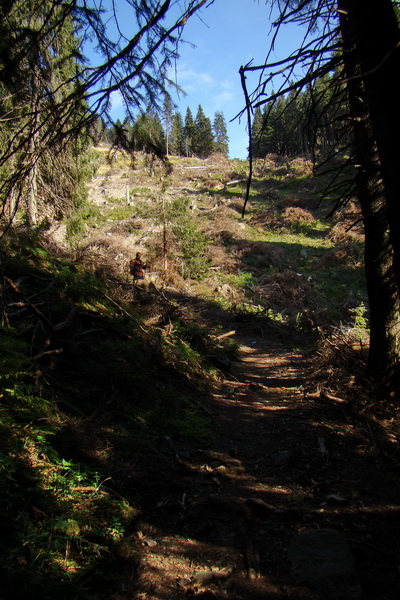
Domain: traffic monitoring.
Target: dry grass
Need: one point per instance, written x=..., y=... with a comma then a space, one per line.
x=108, y=254
x=283, y=215
x=287, y=292
x=295, y=215
x=220, y=258
x=262, y=255
x=339, y=361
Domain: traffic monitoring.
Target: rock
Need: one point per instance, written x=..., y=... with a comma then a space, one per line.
x=336, y=500
x=322, y=559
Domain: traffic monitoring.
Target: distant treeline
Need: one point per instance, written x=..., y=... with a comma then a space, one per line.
x=169, y=133
x=293, y=124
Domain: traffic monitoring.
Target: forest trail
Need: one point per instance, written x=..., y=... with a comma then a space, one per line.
x=221, y=519
x=224, y=519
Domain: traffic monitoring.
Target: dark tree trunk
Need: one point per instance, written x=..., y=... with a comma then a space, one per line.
x=378, y=42
x=369, y=52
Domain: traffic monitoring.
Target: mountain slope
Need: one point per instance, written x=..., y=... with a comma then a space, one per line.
x=174, y=441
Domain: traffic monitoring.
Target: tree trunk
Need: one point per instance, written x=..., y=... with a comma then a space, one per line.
x=32, y=208
x=11, y=201
x=377, y=39
x=374, y=182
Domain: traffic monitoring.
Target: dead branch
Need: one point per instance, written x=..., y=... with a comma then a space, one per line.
x=64, y=324
x=125, y=312
x=225, y=335
x=46, y=353
x=43, y=319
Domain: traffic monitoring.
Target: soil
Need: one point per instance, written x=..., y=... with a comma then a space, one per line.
x=218, y=520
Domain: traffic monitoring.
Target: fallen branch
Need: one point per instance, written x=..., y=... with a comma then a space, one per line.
x=64, y=324
x=29, y=304
x=225, y=335
x=46, y=353
x=234, y=181
x=125, y=312
x=196, y=167
x=326, y=396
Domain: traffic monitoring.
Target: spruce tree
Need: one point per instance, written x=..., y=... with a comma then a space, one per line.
x=177, y=135
x=220, y=134
x=51, y=98
x=189, y=131
x=43, y=151
x=148, y=134
x=358, y=42
x=256, y=134
x=203, y=139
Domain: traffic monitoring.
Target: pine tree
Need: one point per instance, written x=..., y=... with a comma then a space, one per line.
x=189, y=131
x=177, y=135
x=220, y=134
x=203, y=138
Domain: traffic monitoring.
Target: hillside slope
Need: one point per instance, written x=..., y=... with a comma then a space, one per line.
x=285, y=256
x=176, y=442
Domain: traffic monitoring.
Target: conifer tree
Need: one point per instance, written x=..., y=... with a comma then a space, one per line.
x=257, y=131
x=358, y=42
x=189, y=131
x=220, y=134
x=203, y=139
x=116, y=134
x=42, y=76
x=51, y=98
x=148, y=133
x=177, y=135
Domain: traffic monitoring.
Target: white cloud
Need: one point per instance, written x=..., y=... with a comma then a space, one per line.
x=192, y=81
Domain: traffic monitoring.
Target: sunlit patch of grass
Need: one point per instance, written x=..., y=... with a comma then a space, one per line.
x=239, y=280
x=297, y=239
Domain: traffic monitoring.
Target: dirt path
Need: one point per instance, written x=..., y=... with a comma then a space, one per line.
x=220, y=519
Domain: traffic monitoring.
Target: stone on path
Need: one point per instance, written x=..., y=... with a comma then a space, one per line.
x=322, y=559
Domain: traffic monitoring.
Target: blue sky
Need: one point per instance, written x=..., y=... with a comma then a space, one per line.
x=226, y=35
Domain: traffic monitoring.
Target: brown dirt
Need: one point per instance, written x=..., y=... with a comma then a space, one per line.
x=218, y=519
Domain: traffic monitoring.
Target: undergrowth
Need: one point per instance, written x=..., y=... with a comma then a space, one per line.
x=85, y=385
x=94, y=377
